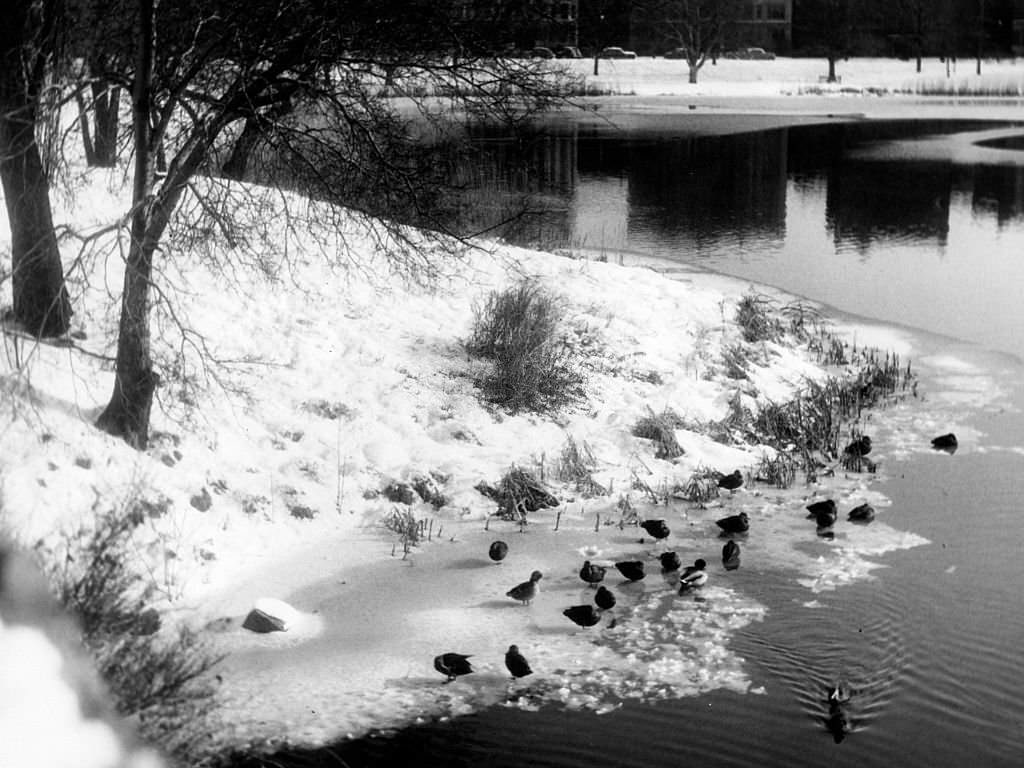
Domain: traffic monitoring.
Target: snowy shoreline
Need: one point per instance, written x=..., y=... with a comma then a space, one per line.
x=364, y=381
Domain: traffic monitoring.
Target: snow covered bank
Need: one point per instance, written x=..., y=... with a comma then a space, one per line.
x=347, y=380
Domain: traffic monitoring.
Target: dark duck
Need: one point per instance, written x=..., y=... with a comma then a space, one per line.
x=731, y=481
x=859, y=447
x=604, y=598
x=734, y=523
x=631, y=569
x=592, y=574
x=657, y=529
x=731, y=555
x=863, y=513
x=583, y=615
x=823, y=512
x=947, y=443
x=670, y=561
x=516, y=663
x=497, y=551
x=451, y=665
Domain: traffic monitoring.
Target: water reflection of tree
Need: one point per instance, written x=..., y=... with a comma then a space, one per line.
x=999, y=190
x=867, y=200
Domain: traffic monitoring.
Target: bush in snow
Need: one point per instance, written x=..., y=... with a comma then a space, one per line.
x=157, y=677
x=534, y=368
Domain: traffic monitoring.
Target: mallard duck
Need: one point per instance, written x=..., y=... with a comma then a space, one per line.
x=859, y=447
x=731, y=481
x=592, y=574
x=526, y=591
x=604, y=598
x=731, y=555
x=824, y=512
x=947, y=443
x=864, y=513
x=656, y=528
x=516, y=663
x=498, y=551
x=451, y=665
x=734, y=523
x=631, y=569
x=838, y=721
x=670, y=561
x=693, y=576
x=583, y=615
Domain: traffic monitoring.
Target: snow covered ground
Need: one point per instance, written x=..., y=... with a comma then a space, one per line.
x=270, y=486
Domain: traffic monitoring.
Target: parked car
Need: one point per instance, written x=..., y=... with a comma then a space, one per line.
x=542, y=52
x=749, y=53
x=568, y=52
x=676, y=53
x=615, y=52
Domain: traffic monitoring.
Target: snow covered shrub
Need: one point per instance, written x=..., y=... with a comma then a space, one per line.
x=519, y=329
x=158, y=677
x=752, y=317
x=661, y=428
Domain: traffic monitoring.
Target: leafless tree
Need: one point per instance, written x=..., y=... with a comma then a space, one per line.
x=698, y=26
x=308, y=76
x=29, y=43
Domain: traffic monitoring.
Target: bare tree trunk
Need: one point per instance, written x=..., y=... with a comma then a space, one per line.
x=105, y=104
x=597, y=61
x=83, y=122
x=694, y=69
x=831, y=69
x=41, y=302
x=238, y=162
x=135, y=381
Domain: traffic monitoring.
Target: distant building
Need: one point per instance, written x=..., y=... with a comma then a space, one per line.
x=525, y=24
x=766, y=24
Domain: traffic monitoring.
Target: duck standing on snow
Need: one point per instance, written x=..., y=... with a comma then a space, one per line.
x=516, y=663
x=526, y=591
x=592, y=574
x=693, y=576
x=604, y=598
x=864, y=513
x=451, y=665
x=731, y=482
x=824, y=512
x=583, y=615
x=731, y=555
x=497, y=551
x=631, y=569
x=734, y=523
x=670, y=561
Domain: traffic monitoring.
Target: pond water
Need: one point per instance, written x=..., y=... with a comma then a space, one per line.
x=905, y=223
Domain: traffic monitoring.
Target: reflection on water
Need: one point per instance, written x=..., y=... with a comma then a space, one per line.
x=850, y=214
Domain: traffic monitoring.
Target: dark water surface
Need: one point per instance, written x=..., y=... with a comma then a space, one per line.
x=933, y=646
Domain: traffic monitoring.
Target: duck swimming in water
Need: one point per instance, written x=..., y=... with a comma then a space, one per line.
x=670, y=561
x=592, y=574
x=863, y=513
x=451, y=665
x=734, y=523
x=731, y=555
x=947, y=443
x=658, y=529
x=526, y=591
x=631, y=569
x=693, y=576
x=824, y=512
x=516, y=663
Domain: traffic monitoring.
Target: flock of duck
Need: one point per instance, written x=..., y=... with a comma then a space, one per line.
x=692, y=577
